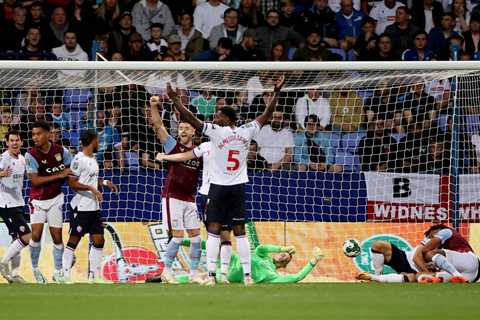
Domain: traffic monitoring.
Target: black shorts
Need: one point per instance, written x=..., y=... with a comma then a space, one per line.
x=399, y=261
x=226, y=204
x=86, y=222
x=202, y=211
x=15, y=221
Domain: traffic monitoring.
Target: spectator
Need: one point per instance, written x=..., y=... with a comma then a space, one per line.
x=418, y=102
x=128, y=154
x=147, y=12
x=455, y=52
x=384, y=49
x=335, y=5
x=208, y=15
x=57, y=28
x=32, y=48
x=313, y=51
x=205, y=104
x=278, y=52
x=192, y=41
x=462, y=16
x=117, y=56
x=427, y=14
x=413, y=149
x=377, y=150
x=174, y=48
x=137, y=51
x=220, y=53
x=7, y=8
x=229, y=29
x=437, y=38
x=264, y=6
x=347, y=111
x=319, y=17
x=384, y=12
x=349, y=22
x=254, y=160
x=472, y=37
x=276, y=143
x=313, y=103
x=62, y=119
x=70, y=50
x=273, y=32
x=419, y=52
x=15, y=32
x=312, y=148
x=288, y=16
x=247, y=49
x=36, y=17
x=120, y=36
x=366, y=41
x=382, y=104
x=56, y=136
x=438, y=156
x=82, y=19
x=249, y=16
x=258, y=105
x=403, y=31
x=108, y=12
x=108, y=136
x=6, y=119
x=36, y=111
x=156, y=44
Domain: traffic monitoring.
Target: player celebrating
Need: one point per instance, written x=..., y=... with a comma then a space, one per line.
x=450, y=252
x=86, y=207
x=178, y=196
x=226, y=198
x=12, y=171
x=47, y=168
x=204, y=151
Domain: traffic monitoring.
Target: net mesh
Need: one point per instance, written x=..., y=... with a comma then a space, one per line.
x=348, y=154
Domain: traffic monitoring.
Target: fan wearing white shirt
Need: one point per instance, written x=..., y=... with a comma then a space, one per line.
x=384, y=12
x=228, y=168
x=208, y=15
x=313, y=103
x=86, y=207
x=12, y=172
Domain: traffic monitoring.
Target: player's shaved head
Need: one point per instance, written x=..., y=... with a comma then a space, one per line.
x=226, y=116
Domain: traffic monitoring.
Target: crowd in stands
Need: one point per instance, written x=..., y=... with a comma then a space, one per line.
x=390, y=128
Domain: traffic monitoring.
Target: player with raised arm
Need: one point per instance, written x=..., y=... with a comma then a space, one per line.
x=179, y=210
x=12, y=172
x=204, y=151
x=228, y=168
x=47, y=168
x=86, y=207
x=449, y=251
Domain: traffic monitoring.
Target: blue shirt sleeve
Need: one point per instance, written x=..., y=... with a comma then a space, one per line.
x=31, y=163
x=169, y=144
x=67, y=157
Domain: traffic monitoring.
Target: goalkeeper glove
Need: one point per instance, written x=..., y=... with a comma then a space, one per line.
x=317, y=256
x=290, y=250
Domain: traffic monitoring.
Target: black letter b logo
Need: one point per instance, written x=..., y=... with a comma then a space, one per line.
x=401, y=188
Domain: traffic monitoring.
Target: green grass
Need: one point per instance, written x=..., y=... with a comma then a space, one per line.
x=266, y=302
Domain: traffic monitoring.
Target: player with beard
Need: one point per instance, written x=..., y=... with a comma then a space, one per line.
x=86, y=207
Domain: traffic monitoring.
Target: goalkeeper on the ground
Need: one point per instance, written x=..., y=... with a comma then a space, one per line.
x=266, y=260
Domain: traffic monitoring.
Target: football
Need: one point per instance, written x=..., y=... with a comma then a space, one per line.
x=351, y=248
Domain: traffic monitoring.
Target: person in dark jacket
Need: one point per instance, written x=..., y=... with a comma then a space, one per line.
x=221, y=53
x=403, y=31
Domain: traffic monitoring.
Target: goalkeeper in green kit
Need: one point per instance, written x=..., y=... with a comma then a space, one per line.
x=266, y=259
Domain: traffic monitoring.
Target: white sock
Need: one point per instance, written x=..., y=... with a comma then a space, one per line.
x=225, y=256
x=377, y=260
x=13, y=249
x=442, y=263
x=213, y=248
x=243, y=249
x=67, y=259
x=95, y=259
x=15, y=264
x=388, y=278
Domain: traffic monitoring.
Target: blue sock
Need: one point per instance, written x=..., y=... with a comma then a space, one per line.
x=171, y=253
x=57, y=256
x=35, y=249
x=195, y=252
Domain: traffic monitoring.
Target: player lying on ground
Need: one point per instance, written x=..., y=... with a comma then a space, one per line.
x=179, y=210
x=12, y=204
x=47, y=168
x=204, y=151
x=86, y=207
x=226, y=197
x=266, y=260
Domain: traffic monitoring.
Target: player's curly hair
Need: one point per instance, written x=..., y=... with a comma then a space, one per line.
x=230, y=113
x=87, y=137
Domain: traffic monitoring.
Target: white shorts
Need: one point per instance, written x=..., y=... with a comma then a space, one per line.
x=48, y=211
x=465, y=262
x=179, y=214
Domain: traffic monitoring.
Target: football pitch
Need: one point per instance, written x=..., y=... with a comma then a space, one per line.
x=300, y=301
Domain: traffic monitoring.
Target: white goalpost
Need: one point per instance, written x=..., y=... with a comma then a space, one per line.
x=355, y=150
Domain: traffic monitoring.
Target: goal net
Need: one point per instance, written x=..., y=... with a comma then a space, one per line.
x=366, y=151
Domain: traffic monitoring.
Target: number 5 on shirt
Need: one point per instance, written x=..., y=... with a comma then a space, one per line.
x=233, y=163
